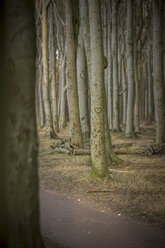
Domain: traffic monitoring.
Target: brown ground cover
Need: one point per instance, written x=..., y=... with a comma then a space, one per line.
x=135, y=188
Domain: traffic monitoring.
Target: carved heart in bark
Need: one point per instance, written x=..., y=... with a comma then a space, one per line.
x=98, y=110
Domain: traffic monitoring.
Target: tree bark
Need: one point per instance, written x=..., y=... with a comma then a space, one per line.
x=75, y=128
x=62, y=97
x=86, y=37
x=46, y=97
x=129, y=43
x=84, y=19
x=98, y=152
x=159, y=95
x=105, y=39
x=52, y=55
x=40, y=98
x=150, y=87
x=82, y=86
x=109, y=79
x=116, y=122
x=124, y=88
x=164, y=45
x=18, y=154
x=137, y=91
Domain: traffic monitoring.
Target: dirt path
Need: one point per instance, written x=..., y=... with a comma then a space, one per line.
x=76, y=225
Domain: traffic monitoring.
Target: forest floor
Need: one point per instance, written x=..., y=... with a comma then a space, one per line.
x=135, y=188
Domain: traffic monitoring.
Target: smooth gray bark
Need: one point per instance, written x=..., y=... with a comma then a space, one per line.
x=62, y=96
x=138, y=28
x=105, y=41
x=71, y=79
x=159, y=95
x=109, y=76
x=116, y=122
x=40, y=98
x=137, y=91
x=124, y=89
x=150, y=88
x=129, y=45
x=84, y=21
x=53, y=84
x=82, y=86
x=84, y=18
x=46, y=96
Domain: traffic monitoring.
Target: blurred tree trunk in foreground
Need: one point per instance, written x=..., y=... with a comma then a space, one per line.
x=19, y=179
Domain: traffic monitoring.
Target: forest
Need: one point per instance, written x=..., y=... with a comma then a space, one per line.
x=82, y=100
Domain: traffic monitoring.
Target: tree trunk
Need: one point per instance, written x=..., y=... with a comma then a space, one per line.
x=110, y=155
x=62, y=97
x=129, y=43
x=146, y=89
x=40, y=98
x=82, y=86
x=46, y=97
x=98, y=152
x=104, y=24
x=116, y=122
x=150, y=87
x=37, y=100
x=159, y=95
x=124, y=89
x=75, y=128
x=84, y=18
x=86, y=37
x=137, y=91
x=18, y=150
x=109, y=79
x=52, y=55
x=164, y=44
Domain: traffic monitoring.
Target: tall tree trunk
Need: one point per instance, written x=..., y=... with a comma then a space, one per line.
x=41, y=103
x=46, y=97
x=137, y=91
x=52, y=49
x=124, y=89
x=75, y=128
x=110, y=155
x=98, y=152
x=159, y=95
x=82, y=86
x=83, y=4
x=84, y=19
x=116, y=122
x=104, y=24
x=18, y=153
x=164, y=44
x=109, y=76
x=37, y=100
x=129, y=43
x=150, y=87
x=146, y=89
x=62, y=97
